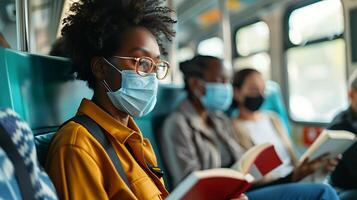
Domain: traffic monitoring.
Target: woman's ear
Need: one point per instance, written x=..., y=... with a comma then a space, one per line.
x=236, y=94
x=98, y=68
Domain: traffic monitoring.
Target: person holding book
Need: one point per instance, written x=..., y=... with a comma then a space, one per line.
x=253, y=127
x=197, y=136
x=101, y=153
x=345, y=176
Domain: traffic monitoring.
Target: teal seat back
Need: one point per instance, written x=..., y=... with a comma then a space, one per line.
x=169, y=96
x=41, y=90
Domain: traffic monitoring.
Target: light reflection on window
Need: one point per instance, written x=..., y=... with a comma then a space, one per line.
x=318, y=20
x=211, y=47
x=252, y=38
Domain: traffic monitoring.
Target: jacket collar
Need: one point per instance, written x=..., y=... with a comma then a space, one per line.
x=111, y=125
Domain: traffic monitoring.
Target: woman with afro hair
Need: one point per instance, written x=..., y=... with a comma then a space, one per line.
x=115, y=46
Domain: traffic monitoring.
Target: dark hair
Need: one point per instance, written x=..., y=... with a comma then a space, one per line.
x=95, y=28
x=239, y=79
x=58, y=48
x=195, y=67
x=241, y=76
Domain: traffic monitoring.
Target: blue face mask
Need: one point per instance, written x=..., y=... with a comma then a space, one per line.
x=218, y=96
x=137, y=95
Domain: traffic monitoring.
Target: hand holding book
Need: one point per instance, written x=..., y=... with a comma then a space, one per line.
x=324, y=153
x=332, y=163
x=308, y=167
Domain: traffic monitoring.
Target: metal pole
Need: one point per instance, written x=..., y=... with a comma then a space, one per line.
x=226, y=31
x=175, y=72
x=22, y=24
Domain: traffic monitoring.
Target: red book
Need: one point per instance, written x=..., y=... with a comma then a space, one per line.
x=212, y=184
x=258, y=161
x=222, y=183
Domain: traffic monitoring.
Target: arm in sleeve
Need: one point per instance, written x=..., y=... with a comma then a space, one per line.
x=76, y=175
x=178, y=148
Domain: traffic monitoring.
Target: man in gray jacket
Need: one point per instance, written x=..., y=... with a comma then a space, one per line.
x=196, y=138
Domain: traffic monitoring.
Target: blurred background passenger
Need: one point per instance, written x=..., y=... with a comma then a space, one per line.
x=194, y=138
x=198, y=135
x=345, y=175
x=253, y=127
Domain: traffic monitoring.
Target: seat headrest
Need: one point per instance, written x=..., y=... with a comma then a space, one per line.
x=40, y=88
x=168, y=97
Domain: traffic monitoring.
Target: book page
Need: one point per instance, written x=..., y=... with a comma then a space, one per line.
x=329, y=142
x=259, y=161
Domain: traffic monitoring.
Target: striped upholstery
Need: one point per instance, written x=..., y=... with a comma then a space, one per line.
x=23, y=138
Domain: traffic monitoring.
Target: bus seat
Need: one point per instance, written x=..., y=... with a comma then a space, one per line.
x=22, y=137
x=169, y=96
x=42, y=90
x=273, y=102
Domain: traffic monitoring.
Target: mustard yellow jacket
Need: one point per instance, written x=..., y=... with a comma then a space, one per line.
x=80, y=168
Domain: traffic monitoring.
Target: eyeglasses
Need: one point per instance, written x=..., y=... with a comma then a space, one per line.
x=146, y=65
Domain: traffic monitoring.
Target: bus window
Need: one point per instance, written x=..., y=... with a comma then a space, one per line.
x=185, y=53
x=316, y=61
x=252, y=46
x=212, y=47
x=44, y=18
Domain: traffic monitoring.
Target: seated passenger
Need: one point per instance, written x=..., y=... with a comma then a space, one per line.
x=254, y=127
x=345, y=175
x=196, y=136
x=114, y=47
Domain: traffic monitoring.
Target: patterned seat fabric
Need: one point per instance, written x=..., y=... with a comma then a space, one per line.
x=9, y=188
x=23, y=138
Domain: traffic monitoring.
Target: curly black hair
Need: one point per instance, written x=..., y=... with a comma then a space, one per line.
x=95, y=27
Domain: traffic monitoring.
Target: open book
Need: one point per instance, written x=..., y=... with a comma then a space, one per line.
x=332, y=142
x=258, y=161
x=228, y=183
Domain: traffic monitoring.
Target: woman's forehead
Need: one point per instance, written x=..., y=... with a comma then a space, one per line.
x=255, y=81
x=139, y=40
x=215, y=70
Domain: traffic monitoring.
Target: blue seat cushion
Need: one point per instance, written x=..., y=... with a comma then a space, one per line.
x=42, y=143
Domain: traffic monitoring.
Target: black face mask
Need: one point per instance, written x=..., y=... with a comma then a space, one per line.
x=253, y=103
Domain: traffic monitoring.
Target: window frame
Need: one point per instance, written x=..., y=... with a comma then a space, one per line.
x=287, y=44
x=205, y=39
x=250, y=22
x=235, y=53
